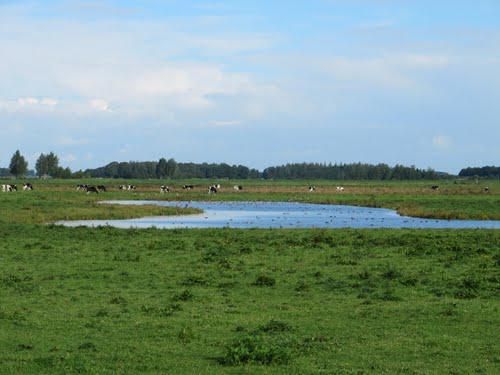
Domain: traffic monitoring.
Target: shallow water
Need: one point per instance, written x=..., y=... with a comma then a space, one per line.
x=278, y=215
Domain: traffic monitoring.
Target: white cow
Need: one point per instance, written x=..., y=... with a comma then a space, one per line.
x=8, y=188
x=340, y=188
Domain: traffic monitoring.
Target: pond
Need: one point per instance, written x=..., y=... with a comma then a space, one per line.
x=278, y=215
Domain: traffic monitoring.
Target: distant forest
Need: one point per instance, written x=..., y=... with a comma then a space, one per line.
x=47, y=165
x=488, y=171
x=172, y=169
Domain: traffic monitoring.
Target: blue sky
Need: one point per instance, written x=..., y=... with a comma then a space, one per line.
x=253, y=82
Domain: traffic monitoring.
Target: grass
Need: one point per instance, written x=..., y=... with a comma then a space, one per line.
x=265, y=301
x=105, y=300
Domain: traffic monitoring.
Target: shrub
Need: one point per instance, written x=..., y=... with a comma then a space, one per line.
x=264, y=280
x=257, y=349
x=185, y=295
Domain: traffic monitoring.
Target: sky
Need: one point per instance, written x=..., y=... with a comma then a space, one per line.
x=259, y=83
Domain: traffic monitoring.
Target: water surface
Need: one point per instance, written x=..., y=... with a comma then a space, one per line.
x=278, y=215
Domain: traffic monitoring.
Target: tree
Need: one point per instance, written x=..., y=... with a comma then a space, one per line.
x=52, y=164
x=161, y=168
x=171, y=168
x=18, y=165
x=41, y=166
x=47, y=165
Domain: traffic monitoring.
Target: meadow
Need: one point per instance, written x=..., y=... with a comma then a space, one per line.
x=105, y=300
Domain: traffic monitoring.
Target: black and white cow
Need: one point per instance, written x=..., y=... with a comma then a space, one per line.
x=312, y=188
x=238, y=187
x=486, y=189
x=92, y=189
x=81, y=187
x=188, y=187
x=27, y=186
x=127, y=187
x=435, y=187
x=340, y=188
x=8, y=188
x=101, y=188
x=212, y=189
x=164, y=189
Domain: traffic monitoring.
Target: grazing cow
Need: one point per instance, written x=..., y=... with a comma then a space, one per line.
x=8, y=188
x=188, y=187
x=238, y=187
x=340, y=188
x=27, y=186
x=164, y=189
x=81, y=187
x=212, y=189
x=101, y=188
x=92, y=189
x=486, y=189
x=127, y=187
x=217, y=186
x=312, y=188
x=434, y=187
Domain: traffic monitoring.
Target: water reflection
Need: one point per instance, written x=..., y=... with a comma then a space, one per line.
x=279, y=215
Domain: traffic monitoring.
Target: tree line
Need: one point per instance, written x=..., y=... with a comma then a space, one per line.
x=47, y=165
x=487, y=171
x=352, y=171
x=172, y=169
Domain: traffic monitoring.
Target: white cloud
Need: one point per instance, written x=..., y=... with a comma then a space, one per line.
x=27, y=101
x=68, y=158
x=392, y=71
x=70, y=141
x=99, y=105
x=218, y=123
x=441, y=142
x=49, y=102
x=28, y=104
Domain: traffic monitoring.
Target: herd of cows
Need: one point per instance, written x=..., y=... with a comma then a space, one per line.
x=10, y=187
x=212, y=189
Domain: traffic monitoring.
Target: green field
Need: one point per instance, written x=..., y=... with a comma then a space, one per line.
x=82, y=300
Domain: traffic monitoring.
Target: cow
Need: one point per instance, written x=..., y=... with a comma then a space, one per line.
x=486, y=189
x=164, y=189
x=81, y=187
x=188, y=187
x=312, y=188
x=127, y=187
x=27, y=186
x=101, y=188
x=340, y=188
x=9, y=188
x=92, y=189
x=238, y=187
x=212, y=189
x=434, y=187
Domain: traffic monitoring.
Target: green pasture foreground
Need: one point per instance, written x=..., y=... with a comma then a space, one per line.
x=108, y=301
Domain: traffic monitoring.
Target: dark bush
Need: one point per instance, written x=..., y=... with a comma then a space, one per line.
x=257, y=349
x=264, y=280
